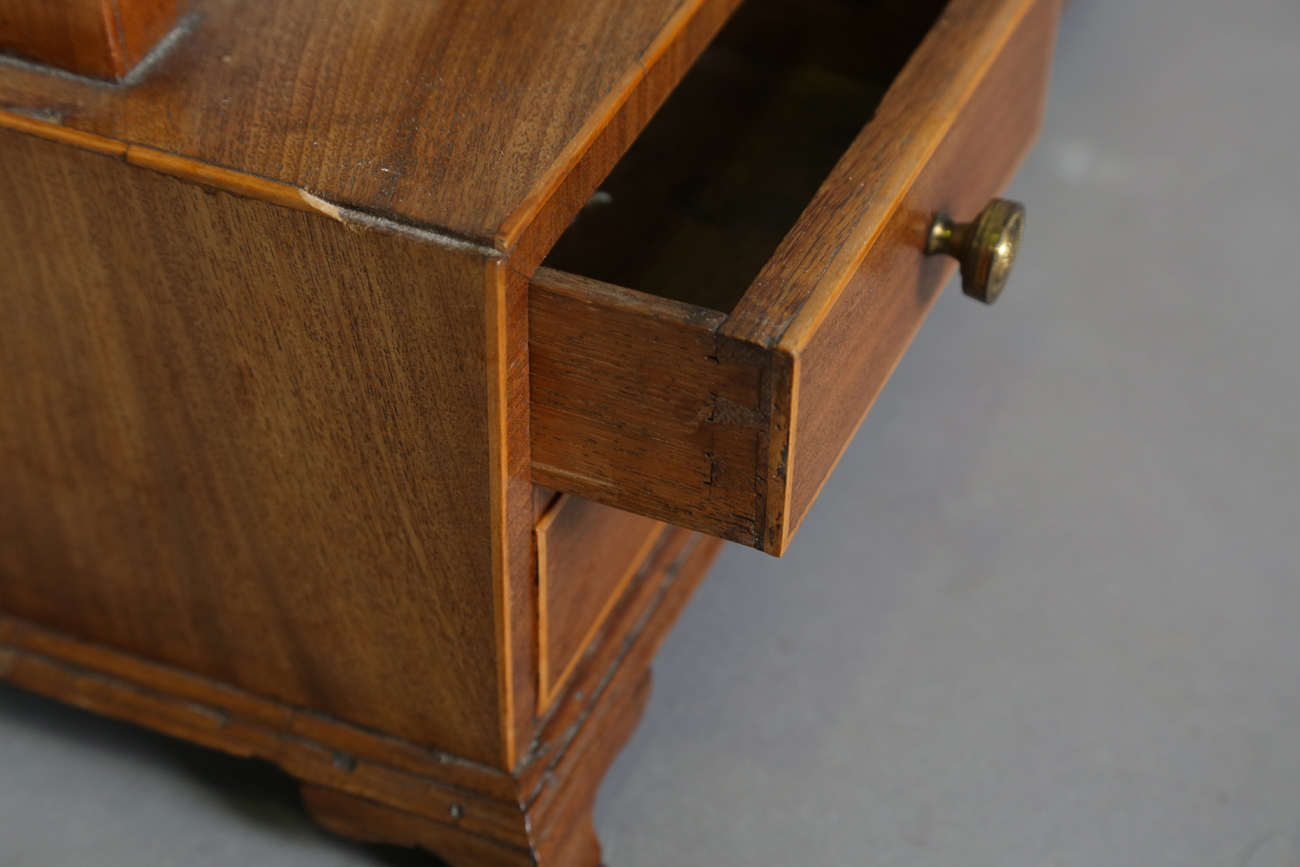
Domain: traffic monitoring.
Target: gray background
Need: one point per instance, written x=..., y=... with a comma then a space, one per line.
x=1046, y=612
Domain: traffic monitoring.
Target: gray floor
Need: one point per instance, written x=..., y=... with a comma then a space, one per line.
x=1047, y=612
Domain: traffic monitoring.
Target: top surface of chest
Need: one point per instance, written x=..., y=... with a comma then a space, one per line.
x=445, y=114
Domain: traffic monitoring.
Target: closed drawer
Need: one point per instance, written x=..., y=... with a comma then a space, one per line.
x=710, y=332
x=586, y=555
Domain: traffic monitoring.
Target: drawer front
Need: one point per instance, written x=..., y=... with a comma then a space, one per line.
x=586, y=555
x=729, y=424
x=846, y=352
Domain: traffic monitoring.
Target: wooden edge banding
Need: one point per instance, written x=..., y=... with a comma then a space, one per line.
x=511, y=502
x=670, y=36
x=359, y=783
x=498, y=436
x=679, y=23
x=767, y=319
x=236, y=182
x=182, y=168
x=513, y=226
x=1035, y=30
x=824, y=295
x=516, y=509
x=369, y=821
x=191, y=707
x=543, y=596
x=782, y=420
x=52, y=131
x=550, y=687
x=230, y=181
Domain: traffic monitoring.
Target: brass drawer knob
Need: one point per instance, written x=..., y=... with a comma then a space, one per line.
x=986, y=247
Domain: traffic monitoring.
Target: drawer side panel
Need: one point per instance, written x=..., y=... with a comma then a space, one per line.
x=631, y=407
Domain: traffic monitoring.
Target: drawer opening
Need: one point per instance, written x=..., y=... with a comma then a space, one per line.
x=705, y=195
x=709, y=334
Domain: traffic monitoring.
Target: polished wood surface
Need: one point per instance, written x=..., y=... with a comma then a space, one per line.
x=529, y=233
x=374, y=786
x=280, y=370
x=232, y=428
x=703, y=198
x=564, y=836
x=464, y=117
x=312, y=747
x=864, y=190
x=709, y=421
x=631, y=407
x=846, y=357
x=586, y=555
x=99, y=38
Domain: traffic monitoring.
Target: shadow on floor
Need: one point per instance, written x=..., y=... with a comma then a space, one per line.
x=251, y=791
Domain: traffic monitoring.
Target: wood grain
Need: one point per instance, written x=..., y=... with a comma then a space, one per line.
x=864, y=190
x=713, y=422
x=564, y=837
x=453, y=116
x=370, y=821
x=633, y=631
x=248, y=186
x=702, y=200
x=378, y=787
x=846, y=358
x=531, y=230
x=632, y=408
x=586, y=555
x=231, y=428
x=312, y=747
x=282, y=450
x=512, y=501
x=99, y=38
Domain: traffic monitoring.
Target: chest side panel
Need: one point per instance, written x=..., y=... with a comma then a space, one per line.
x=248, y=441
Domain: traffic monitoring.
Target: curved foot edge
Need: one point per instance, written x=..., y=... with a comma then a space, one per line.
x=556, y=824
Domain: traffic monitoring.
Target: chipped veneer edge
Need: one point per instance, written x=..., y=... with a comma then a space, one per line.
x=289, y=196
x=232, y=181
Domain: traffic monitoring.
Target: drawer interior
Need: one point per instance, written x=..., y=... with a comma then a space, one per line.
x=705, y=195
x=709, y=332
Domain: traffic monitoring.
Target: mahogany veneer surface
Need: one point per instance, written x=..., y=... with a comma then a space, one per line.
x=100, y=38
x=586, y=555
x=225, y=438
x=729, y=420
x=481, y=121
x=278, y=371
x=450, y=114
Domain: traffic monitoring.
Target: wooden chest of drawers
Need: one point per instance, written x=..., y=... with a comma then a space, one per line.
x=378, y=379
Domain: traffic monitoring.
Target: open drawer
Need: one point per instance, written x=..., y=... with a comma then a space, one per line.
x=712, y=329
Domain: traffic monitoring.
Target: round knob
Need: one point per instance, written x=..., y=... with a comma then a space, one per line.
x=986, y=247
